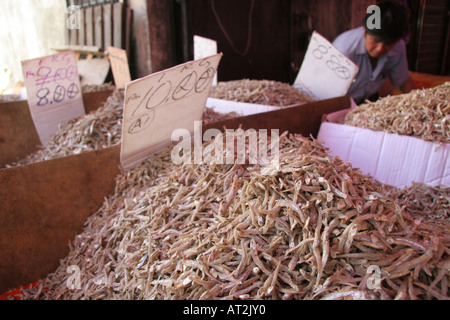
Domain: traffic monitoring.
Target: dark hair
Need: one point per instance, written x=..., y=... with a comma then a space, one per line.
x=393, y=22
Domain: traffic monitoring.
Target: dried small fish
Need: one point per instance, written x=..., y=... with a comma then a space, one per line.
x=268, y=92
x=99, y=129
x=211, y=116
x=209, y=231
x=97, y=87
x=422, y=113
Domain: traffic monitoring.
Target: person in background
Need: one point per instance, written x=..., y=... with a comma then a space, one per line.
x=380, y=52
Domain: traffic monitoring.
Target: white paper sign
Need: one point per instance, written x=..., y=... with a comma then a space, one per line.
x=119, y=66
x=53, y=92
x=204, y=47
x=325, y=72
x=162, y=102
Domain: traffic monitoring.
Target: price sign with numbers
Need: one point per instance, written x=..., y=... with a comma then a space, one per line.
x=53, y=91
x=162, y=102
x=325, y=72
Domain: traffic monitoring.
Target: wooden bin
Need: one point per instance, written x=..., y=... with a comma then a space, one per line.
x=44, y=205
x=18, y=136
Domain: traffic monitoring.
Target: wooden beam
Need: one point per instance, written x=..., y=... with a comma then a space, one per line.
x=118, y=10
x=107, y=25
x=160, y=31
x=89, y=23
x=98, y=26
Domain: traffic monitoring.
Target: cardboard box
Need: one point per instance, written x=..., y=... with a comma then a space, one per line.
x=45, y=204
x=392, y=159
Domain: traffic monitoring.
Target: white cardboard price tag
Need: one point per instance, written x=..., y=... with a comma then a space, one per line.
x=162, y=102
x=53, y=92
x=325, y=72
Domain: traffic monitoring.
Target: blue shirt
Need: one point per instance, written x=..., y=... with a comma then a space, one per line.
x=394, y=64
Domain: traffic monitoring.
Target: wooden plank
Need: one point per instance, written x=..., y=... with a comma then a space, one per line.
x=82, y=31
x=73, y=36
x=44, y=205
x=66, y=30
x=89, y=20
x=160, y=33
x=98, y=26
x=118, y=13
x=18, y=136
x=128, y=30
x=80, y=49
x=107, y=25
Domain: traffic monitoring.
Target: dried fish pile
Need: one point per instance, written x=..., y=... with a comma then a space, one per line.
x=211, y=116
x=423, y=113
x=97, y=87
x=309, y=230
x=267, y=92
x=99, y=129
x=424, y=202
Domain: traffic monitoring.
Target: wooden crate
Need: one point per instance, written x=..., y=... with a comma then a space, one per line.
x=44, y=205
x=18, y=136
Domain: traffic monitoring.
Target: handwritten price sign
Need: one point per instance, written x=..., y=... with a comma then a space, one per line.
x=54, y=92
x=325, y=72
x=158, y=104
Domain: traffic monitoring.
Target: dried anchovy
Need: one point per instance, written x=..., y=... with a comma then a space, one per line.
x=423, y=113
x=211, y=116
x=309, y=230
x=267, y=92
x=425, y=203
x=97, y=87
x=99, y=129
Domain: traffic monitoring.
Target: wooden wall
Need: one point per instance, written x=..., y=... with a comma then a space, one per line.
x=267, y=56
x=160, y=28
x=280, y=31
